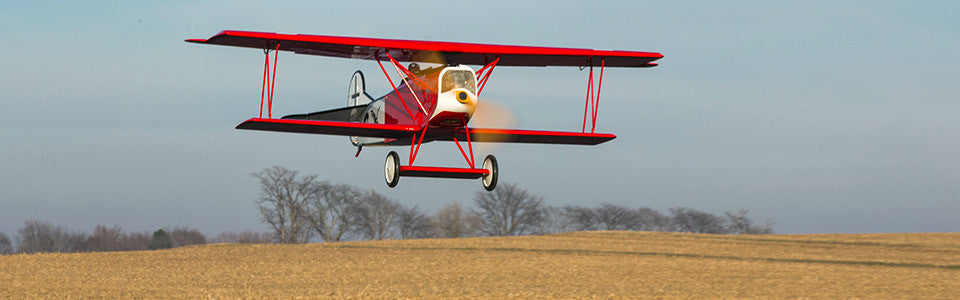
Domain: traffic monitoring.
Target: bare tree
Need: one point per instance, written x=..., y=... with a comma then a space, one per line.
x=554, y=221
x=283, y=203
x=616, y=217
x=37, y=236
x=6, y=246
x=182, y=236
x=652, y=220
x=330, y=209
x=508, y=210
x=106, y=239
x=580, y=218
x=412, y=223
x=244, y=237
x=137, y=241
x=75, y=242
x=695, y=221
x=738, y=222
x=452, y=221
x=376, y=216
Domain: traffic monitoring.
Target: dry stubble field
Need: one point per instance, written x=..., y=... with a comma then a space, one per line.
x=572, y=265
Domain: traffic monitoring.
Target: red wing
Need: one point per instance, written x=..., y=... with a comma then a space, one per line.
x=406, y=131
x=330, y=127
x=433, y=52
x=531, y=136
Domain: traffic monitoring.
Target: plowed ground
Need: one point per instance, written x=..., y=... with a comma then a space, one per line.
x=572, y=265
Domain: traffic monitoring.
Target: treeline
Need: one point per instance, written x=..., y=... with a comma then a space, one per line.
x=302, y=209
x=38, y=236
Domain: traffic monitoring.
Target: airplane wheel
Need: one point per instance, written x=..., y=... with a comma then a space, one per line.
x=391, y=169
x=490, y=180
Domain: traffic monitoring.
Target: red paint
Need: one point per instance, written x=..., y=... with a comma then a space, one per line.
x=455, y=140
x=469, y=143
x=413, y=152
x=396, y=92
x=273, y=82
x=394, y=131
x=483, y=82
x=410, y=75
x=405, y=123
x=588, y=102
x=400, y=71
x=397, y=107
x=263, y=87
x=592, y=102
x=442, y=172
x=532, y=136
x=452, y=52
x=596, y=103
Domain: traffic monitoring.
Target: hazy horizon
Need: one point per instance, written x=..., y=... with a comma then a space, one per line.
x=824, y=117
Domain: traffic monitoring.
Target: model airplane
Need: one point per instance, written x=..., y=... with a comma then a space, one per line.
x=432, y=104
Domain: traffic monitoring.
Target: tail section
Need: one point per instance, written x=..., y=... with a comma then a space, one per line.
x=356, y=94
x=361, y=108
x=372, y=111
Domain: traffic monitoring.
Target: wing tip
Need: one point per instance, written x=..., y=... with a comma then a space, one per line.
x=246, y=124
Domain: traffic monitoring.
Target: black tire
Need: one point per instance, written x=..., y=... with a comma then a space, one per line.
x=489, y=181
x=391, y=169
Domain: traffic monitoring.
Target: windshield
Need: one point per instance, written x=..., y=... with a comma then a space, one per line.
x=453, y=79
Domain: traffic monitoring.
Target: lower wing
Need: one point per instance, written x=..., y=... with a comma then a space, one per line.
x=530, y=136
x=483, y=135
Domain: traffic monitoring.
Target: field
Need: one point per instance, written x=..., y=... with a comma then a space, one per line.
x=572, y=265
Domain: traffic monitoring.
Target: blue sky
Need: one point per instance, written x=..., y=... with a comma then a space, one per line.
x=822, y=116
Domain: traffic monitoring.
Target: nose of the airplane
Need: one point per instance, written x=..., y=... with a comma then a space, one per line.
x=467, y=99
x=458, y=102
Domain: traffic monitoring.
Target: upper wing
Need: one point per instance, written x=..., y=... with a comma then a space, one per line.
x=531, y=136
x=432, y=52
x=330, y=127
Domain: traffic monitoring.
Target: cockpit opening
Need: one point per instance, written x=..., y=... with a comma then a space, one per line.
x=454, y=79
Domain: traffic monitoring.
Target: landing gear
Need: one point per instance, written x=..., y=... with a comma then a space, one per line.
x=490, y=179
x=488, y=173
x=391, y=169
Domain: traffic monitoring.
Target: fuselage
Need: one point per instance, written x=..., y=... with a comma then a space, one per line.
x=448, y=103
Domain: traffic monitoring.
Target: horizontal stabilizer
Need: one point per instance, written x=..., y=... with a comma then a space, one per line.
x=346, y=114
x=330, y=127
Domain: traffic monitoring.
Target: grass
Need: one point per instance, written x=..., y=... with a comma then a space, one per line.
x=572, y=265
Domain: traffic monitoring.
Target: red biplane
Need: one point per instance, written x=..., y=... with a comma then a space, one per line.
x=430, y=104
